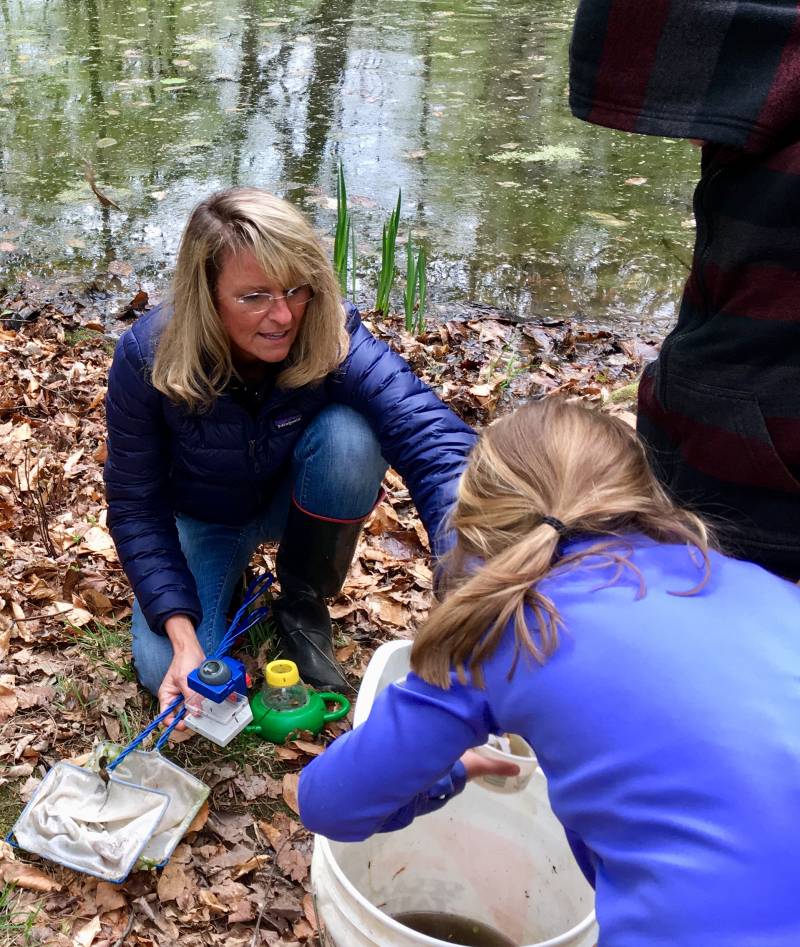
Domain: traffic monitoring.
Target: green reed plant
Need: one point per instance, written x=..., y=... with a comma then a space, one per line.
x=343, y=239
x=422, y=285
x=386, y=276
x=416, y=282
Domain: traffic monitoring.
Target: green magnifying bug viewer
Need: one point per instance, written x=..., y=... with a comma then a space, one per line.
x=285, y=707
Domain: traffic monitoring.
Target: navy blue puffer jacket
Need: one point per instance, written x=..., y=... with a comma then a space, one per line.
x=223, y=464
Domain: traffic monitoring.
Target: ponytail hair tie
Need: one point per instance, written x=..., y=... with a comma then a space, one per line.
x=557, y=525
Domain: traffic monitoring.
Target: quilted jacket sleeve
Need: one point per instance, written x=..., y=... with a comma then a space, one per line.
x=420, y=437
x=140, y=515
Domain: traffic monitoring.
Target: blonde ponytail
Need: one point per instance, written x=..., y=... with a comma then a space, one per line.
x=550, y=463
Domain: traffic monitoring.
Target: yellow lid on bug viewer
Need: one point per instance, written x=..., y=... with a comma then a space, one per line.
x=281, y=673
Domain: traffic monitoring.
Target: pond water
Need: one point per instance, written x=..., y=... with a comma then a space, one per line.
x=461, y=104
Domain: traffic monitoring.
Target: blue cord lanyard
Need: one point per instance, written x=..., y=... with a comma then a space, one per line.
x=242, y=621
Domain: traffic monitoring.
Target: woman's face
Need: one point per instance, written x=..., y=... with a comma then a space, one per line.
x=259, y=331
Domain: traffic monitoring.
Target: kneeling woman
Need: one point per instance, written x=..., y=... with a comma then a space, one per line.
x=253, y=407
x=657, y=680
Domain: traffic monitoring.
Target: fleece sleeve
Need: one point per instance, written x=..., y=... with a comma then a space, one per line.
x=140, y=515
x=401, y=762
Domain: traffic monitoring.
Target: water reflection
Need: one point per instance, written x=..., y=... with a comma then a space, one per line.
x=463, y=105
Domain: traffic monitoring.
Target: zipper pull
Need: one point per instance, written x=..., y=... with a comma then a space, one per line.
x=252, y=451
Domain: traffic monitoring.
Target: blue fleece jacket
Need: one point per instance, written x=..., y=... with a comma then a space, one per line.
x=223, y=464
x=669, y=731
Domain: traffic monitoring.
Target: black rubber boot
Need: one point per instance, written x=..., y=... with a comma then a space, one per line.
x=313, y=558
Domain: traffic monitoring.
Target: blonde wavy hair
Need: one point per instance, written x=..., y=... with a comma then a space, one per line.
x=550, y=458
x=193, y=362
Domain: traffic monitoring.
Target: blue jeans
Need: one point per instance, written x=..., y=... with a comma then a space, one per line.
x=336, y=472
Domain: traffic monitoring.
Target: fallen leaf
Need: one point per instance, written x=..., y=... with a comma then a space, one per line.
x=211, y=901
x=230, y=858
x=8, y=697
x=293, y=863
x=341, y=611
x=257, y=785
x=608, y=220
x=112, y=727
x=313, y=749
x=29, y=787
x=69, y=613
x=284, y=753
x=389, y=612
x=252, y=864
x=199, y=821
x=345, y=653
x=172, y=882
x=290, y=781
x=28, y=877
x=243, y=911
x=230, y=826
x=120, y=268
x=137, y=304
x=97, y=601
x=309, y=910
x=302, y=930
x=109, y=897
x=5, y=636
x=84, y=936
x=99, y=540
x=271, y=832
x=71, y=461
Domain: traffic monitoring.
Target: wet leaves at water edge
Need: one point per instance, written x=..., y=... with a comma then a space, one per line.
x=241, y=874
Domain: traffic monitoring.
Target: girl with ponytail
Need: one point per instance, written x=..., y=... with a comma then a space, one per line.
x=657, y=680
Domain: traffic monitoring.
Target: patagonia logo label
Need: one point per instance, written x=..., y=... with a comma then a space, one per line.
x=288, y=421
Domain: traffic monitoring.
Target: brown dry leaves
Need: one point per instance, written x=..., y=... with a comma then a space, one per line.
x=237, y=869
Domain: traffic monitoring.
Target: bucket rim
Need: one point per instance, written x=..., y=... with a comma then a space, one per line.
x=324, y=845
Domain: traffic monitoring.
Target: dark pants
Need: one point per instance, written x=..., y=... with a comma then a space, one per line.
x=720, y=408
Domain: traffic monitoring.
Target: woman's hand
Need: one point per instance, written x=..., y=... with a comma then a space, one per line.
x=188, y=655
x=477, y=765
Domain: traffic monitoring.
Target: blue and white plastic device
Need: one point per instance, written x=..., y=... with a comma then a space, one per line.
x=225, y=710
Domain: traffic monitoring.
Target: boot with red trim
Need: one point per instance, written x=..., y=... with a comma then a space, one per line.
x=313, y=559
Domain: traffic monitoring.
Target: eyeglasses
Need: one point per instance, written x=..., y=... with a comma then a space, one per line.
x=256, y=304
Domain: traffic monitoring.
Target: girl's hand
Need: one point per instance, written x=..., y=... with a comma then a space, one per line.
x=477, y=765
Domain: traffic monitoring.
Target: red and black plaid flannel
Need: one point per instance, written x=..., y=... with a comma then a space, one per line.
x=720, y=408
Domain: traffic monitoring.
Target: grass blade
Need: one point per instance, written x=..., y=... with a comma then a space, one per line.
x=422, y=281
x=341, y=240
x=411, y=285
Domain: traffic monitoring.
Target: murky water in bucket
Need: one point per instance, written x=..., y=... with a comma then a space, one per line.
x=454, y=929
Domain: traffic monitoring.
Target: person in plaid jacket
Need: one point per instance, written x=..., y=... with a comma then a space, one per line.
x=720, y=408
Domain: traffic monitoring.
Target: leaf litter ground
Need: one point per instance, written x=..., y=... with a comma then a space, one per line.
x=241, y=874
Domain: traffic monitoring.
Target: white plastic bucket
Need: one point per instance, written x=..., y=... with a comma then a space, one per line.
x=499, y=859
